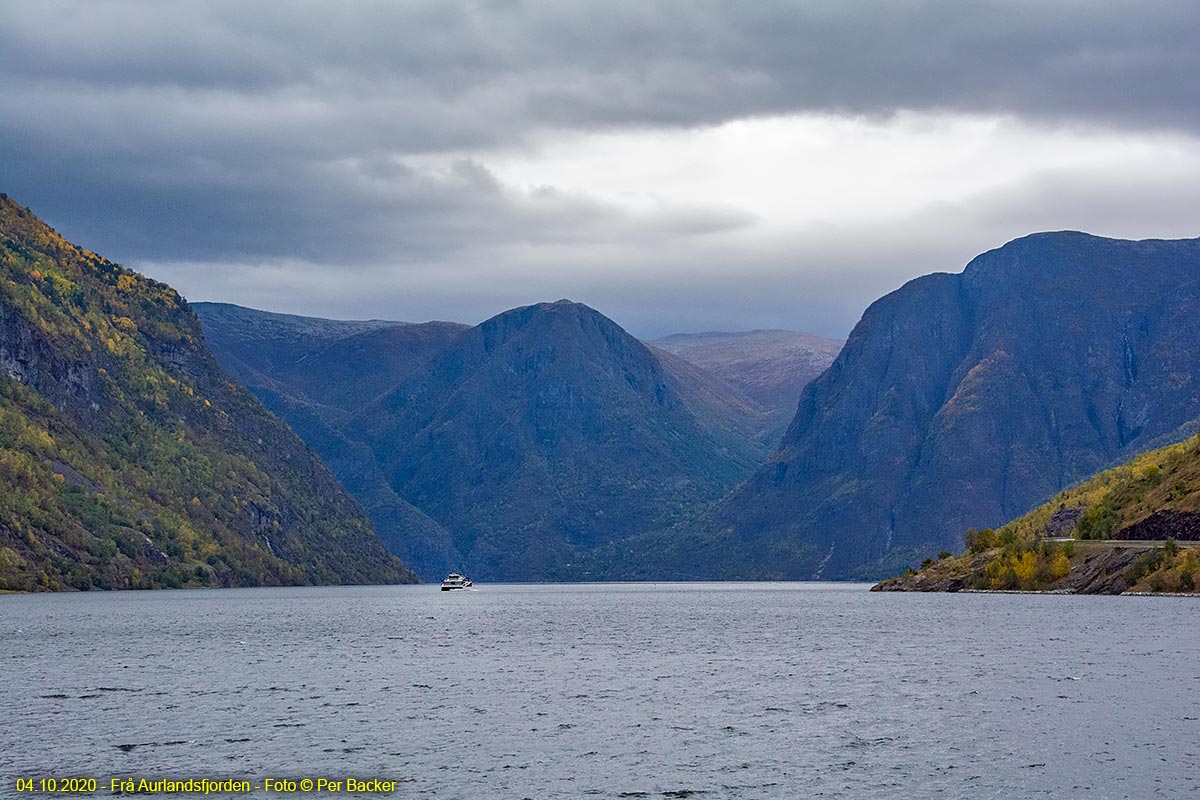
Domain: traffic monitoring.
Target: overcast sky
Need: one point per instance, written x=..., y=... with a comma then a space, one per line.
x=681, y=166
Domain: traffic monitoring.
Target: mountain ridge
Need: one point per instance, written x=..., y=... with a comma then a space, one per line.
x=479, y=430
x=1061, y=353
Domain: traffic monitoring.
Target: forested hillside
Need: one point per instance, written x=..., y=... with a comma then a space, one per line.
x=1135, y=527
x=128, y=460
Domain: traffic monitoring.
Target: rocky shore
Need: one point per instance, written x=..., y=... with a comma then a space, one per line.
x=1095, y=568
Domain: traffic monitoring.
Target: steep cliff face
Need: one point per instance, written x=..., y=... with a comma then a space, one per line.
x=127, y=459
x=964, y=400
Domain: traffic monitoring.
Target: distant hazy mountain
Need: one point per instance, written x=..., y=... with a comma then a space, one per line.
x=529, y=439
x=964, y=400
x=127, y=459
x=771, y=367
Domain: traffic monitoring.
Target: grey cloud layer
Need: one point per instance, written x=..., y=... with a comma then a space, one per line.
x=260, y=133
x=583, y=64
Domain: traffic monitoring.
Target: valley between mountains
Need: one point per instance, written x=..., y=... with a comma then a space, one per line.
x=150, y=442
x=516, y=448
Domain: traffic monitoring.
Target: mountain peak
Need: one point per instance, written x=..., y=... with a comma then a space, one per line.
x=962, y=400
x=1062, y=252
x=523, y=441
x=565, y=306
x=545, y=431
x=558, y=321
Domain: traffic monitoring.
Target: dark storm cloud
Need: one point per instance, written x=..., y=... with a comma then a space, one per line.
x=654, y=63
x=260, y=132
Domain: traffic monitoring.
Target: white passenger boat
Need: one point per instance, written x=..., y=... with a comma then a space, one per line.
x=455, y=581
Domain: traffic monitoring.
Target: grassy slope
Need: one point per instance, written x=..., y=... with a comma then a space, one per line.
x=1104, y=507
x=1166, y=479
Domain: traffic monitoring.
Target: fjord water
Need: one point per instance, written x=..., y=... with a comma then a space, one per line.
x=616, y=690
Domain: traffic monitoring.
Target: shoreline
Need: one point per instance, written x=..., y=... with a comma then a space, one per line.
x=1071, y=592
x=1064, y=591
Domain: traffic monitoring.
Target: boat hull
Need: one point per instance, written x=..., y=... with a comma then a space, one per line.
x=455, y=581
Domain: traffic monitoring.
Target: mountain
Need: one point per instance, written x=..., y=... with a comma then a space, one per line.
x=963, y=400
x=527, y=440
x=317, y=374
x=771, y=367
x=127, y=459
x=1135, y=528
x=264, y=342
x=340, y=364
x=733, y=418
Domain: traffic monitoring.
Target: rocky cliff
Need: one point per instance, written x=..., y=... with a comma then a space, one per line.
x=963, y=400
